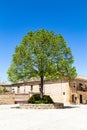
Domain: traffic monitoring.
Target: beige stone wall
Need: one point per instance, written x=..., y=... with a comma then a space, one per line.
x=54, y=90
x=76, y=91
x=42, y=106
x=25, y=89
x=67, y=87
x=21, y=98
x=7, y=98
x=59, y=91
x=84, y=97
x=77, y=97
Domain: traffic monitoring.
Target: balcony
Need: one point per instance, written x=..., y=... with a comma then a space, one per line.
x=81, y=88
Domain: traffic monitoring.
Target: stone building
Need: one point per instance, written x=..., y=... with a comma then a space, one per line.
x=78, y=90
x=60, y=91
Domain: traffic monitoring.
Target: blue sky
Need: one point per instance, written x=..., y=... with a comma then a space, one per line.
x=65, y=17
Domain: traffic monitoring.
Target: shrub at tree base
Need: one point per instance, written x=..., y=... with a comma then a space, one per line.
x=35, y=99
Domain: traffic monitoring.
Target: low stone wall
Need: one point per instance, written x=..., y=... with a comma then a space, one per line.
x=21, y=98
x=7, y=98
x=42, y=106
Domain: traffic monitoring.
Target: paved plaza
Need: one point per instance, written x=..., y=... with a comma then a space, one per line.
x=69, y=118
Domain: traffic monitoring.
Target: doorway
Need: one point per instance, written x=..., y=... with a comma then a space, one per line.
x=73, y=98
x=80, y=98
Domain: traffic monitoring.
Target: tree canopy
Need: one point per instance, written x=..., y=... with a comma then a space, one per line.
x=42, y=54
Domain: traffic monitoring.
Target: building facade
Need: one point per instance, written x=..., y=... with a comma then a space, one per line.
x=78, y=90
x=74, y=92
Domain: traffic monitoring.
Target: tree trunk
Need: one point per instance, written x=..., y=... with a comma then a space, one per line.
x=41, y=87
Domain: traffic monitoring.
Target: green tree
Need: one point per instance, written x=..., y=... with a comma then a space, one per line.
x=42, y=54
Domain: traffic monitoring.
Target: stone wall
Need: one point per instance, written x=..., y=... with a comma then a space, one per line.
x=7, y=98
x=84, y=97
x=76, y=98
x=58, y=91
x=42, y=106
x=21, y=98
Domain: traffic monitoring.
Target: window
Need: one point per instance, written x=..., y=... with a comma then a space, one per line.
x=31, y=88
x=63, y=93
x=74, y=85
x=80, y=86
